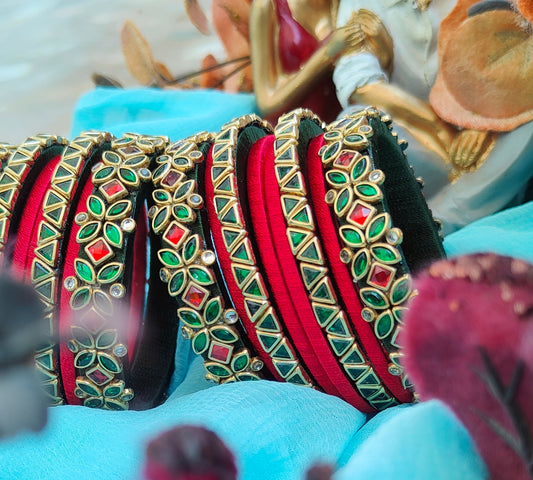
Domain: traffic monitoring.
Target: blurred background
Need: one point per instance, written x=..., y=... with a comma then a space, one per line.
x=50, y=48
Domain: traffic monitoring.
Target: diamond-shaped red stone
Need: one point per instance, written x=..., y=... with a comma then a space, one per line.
x=360, y=214
x=380, y=277
x=98, y=376
x=99, y=250
x=219, y=352
x=344, y=159
x=174, y=234
x=171, y=178
x=113, y=188
x=131, y=149
x=194, y=296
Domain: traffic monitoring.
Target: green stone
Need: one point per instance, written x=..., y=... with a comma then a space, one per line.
x=135, y=161
x=129, y=176
x=213, y=310
x=40, y=271
x=331, y=136
x=230, y=217
x=88, y=231
x=377, y=227
x=182, y=212
x=359, y=169
x=84, y=270
x=240, y=362
x=302, y=217
x=401, y=290
x=185, y=188
x=84, y=338
x=201, y=275
x=169, y=258
x=190, y=317
x=384, y=325
x=176, y=283
x=374, y=298
x=230, y=236
x=340, y=345
x=217, y=171
x=84, y=359
x=191, y=249
x=342, y=201
x=336, y=178
x=297, y=379
x=224, y=334
x=241, y=253
x=107, y=362
x=360, y=265
x=93, y=403
x=369, y=379
x=310, y=253
x=55, y=215
x=113, y=235
x=6, y=179
x=46, y=289
x=218, y=370
x=118, y=209
x=161, y=218
x=160, y=171
x=95, y=206
x=241, y=274
x=102, y=303
x=111, y=157
x=253, y=289
x=109, y=273
x=286, y=155
x=104, y=173
x=225, y=185
x=267, y=341
x=268, y=323
x=45, y=360
x=289, y=203
x=352, y=236
x=285, y=368
x=282, y=171
x=112, y=391
x=385, y=254
x=65, y=186
x=331, y=151
x=200, y=342
x=310, y=275
x=62, y=172
x=46, y=232
x=354, y=357
x=80, y=298
x=281, y=351
x=324, y=314
x=338, y=327
x=296, y=238
x=355, y=371
x=87, y=388
x=52, y=199
x=7, y=195
x=106, y=339
x=322, y=292
x=367, y=190
x=220, y=203
x=161, y=196
x=354, y=138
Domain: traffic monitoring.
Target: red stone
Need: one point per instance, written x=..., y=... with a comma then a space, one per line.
x=344, y=159
x=170, y=179
x=99, y=250
x=360, y=214
x=113, y=188
x=194, y=296
x=380, y=277
x=220, y=353
x=99, y=377
x=131, y=149
x=174, y=234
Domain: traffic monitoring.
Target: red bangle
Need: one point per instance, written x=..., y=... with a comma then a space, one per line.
x=341, y=274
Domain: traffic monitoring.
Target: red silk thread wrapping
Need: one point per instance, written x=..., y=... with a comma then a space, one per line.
x=341, y=275
x=304, y=329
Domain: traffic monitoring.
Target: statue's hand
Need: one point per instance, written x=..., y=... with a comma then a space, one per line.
x=377, y=38
x=469, y=150
x=345, y=39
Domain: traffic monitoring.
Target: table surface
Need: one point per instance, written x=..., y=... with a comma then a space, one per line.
x=50, y=48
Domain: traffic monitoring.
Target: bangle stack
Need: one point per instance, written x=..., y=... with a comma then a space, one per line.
x=282, y=253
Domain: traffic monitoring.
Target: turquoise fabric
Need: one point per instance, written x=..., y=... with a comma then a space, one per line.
x=276, y=430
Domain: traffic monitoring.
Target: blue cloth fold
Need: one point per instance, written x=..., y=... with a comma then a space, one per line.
x=276, y=430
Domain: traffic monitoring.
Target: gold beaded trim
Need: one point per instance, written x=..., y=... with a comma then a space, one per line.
x=186, y=265
x=372, y=244
x=247, y=276
x=44, y=273
x=18, y=167
x=306, y=248
x=99, y=267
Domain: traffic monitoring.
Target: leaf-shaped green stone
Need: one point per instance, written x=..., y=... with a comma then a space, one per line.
x=190, y=317
x=337, y=178
x=159, y=222
x=385, y=253
x=128, y=176
x=184, y=190
x=374, y=298
x=331, y=151
x=113, y=234
x=367, y=191
x=213, y=310
x=191, y=248
x=401, y=289
x=343, y=201
x=359, y=168
x=119, y=210
x=111, y=158
x=360, y=264
x=218, y=370
x=84, y=358
x=84, y=270
x=201, y=275
x=176, y=283
x=108, y=363
x=169, y=258
x=95, y=206
x=87, y=232
x=376, y=228
x=83, y=337
x=384, y=325
x=110, y=272
x=103, y=174
x=161, y=196
x=182, y=213
x=240, y=361
x=106, y=339
x=352, y=236
x=200, y=342
x=80, y=298
x=87, y=388
x=102, y=302
x=113, y=390
x=224, y=334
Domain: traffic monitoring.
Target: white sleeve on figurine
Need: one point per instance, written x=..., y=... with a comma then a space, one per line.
x=355, y=71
